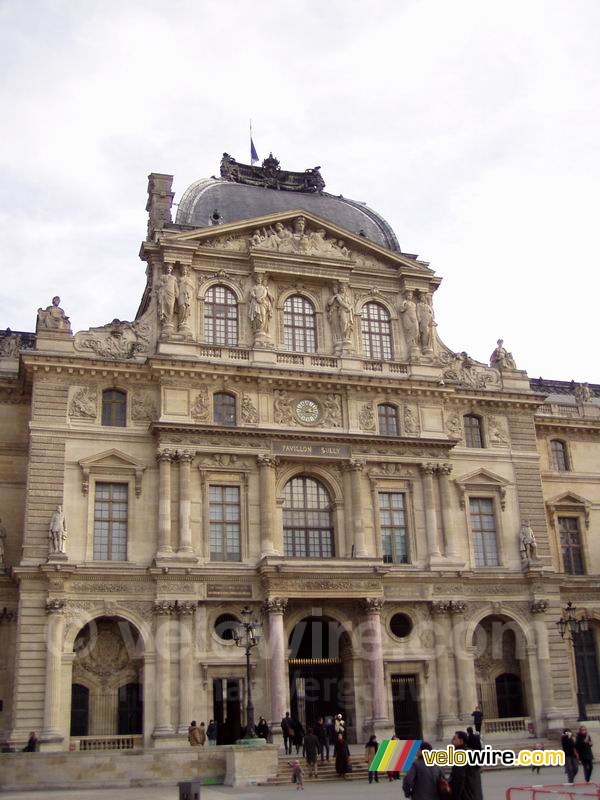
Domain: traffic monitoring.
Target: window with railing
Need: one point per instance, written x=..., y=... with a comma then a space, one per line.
x=376, y=332
x=307, y=521
x=220, y=317
x=299, y=325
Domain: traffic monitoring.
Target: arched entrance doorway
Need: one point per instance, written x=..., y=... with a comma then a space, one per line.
x=106, y=693
x=501, y=669
x=320, y=671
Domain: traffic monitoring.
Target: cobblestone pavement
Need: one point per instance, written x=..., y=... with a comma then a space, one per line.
x=495, y=783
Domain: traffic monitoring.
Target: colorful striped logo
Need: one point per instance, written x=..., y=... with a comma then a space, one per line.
x=395, y=755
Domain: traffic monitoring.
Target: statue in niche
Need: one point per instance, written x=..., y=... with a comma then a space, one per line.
x=527, y=542
x=2, y=540
x=426, y=323
x=341, y=314
x=260, y=309
x=583, y=393
x=53, y=318
x=185, y=295
x=408, y=309
x=57, y=531
x=167, y=295
x=501, y=358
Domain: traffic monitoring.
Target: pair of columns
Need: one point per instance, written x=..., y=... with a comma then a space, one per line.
x=167, y=668
x=278, y=675
x=165, y=544
x=440, y=474
x=271, y=533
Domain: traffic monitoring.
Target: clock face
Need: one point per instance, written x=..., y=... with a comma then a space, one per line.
x=307, y=411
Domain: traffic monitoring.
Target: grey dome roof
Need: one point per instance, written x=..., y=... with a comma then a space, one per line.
x=235, y=202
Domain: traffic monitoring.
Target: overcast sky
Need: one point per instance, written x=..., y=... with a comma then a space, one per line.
x=472, y=127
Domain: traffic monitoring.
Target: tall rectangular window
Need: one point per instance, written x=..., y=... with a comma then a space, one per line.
x=225, y=527
x=483, y=528
x=586, y=663
x=394, y=533
x=110, y=521
x=570, y=543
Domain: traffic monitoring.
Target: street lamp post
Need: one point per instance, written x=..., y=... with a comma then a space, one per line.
x=570, y=627
x=247, y=634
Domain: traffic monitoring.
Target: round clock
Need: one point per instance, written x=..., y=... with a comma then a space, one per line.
x=307, y=411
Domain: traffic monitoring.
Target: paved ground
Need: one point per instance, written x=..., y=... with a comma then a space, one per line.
x=495, y=784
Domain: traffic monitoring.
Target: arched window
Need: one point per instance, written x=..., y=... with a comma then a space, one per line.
x=223, y=409
x=299, y=325
x=220, y=317
x=114, y=408
x=376, y=332
x=307, y=524
x=388, y=419
x=473, y=431
x=558, y=450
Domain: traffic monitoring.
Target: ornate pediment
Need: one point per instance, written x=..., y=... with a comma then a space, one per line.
x=119, y=340
x=569, y=501
x=481, y=479
x=111, y=463
x=297, y=233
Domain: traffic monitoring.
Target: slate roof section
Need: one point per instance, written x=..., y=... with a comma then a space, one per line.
x=551, y=387
x=236, y=202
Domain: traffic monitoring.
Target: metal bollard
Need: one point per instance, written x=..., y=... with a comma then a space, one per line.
x=189, y=790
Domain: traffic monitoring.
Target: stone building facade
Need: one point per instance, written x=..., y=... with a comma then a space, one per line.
x=282, y=428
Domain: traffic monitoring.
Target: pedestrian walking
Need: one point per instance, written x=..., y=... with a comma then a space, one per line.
x=477, y=718
x=567, y=742
x=32, y=743
x=211, y=733
x=297, y=776
x=194, y=736
x=298, y=735
x=320, y=732
x=288, y=733
x=583, y=745
x=537, y=767
x=341, y=751
x=311, y=752
x=262, y=729
x=422, y=782
x=371, y=748
x=465, y=783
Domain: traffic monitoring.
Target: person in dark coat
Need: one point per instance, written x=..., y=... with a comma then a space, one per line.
x=211, y=733
x=298, y=736
x=321, y=733
x=262, y=729
x=311, y=752
x=462, y=779
x=583, y=745
x=474, y=740
x=567, y=742
x=341, y=751
x=421, y=781
x=288, y=733
x=32, y=743
x=477, y=718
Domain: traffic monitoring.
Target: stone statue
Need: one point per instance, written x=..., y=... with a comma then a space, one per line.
x=527, y=542
x=57, y=531
x=408, y=309
x=260, y=309
x=185, y=295
x=501, y=358
x=426, y=323
x=167, y=295
x=53, y=318
x=341, y=314
x=2, y=540
x=583, y=393
x=10, y=345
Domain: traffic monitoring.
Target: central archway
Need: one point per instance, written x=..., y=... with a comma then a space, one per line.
x=320, y=671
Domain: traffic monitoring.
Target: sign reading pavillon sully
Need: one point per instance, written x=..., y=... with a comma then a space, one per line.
x=311, y=450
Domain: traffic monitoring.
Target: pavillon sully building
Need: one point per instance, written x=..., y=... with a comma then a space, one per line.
x=282, y=427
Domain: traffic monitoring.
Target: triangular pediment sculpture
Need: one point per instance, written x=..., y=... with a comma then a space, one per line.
x=482, y=479
x=112, y=463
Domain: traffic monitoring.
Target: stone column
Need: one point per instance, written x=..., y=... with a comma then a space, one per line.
x=346, y=546
x=162, y=692
x=464, y=661
x=54, y=637
x=549, y=712
x=185, y=612
x=431, y=525
x=185, y=530
x=275, y=608
x=165, y=548
x=356, y=469
x=446, y=679
x=271, y=542
x=372, y=608
x=450, y=550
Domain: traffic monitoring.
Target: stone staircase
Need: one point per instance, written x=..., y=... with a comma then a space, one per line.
x=326, y=771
